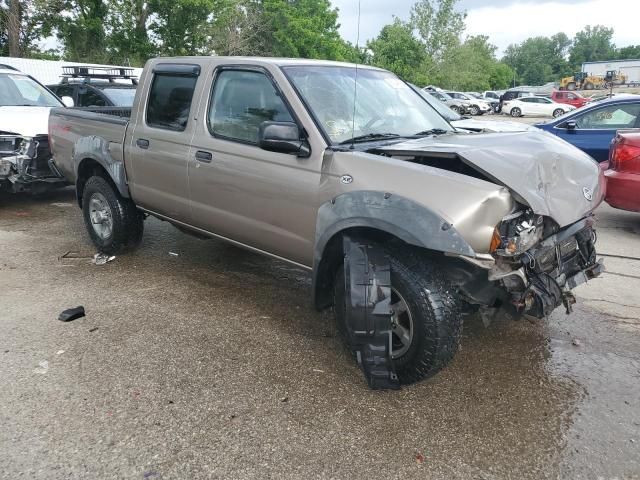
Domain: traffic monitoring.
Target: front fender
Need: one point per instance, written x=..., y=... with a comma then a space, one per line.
x=405, y=219
x=413, y=223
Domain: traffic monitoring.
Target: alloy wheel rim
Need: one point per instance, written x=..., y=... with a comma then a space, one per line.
x=401, y=325
x=101, y=216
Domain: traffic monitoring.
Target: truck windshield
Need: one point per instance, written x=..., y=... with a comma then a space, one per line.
x=385, y=106
x=20, y=90
x=440, y=107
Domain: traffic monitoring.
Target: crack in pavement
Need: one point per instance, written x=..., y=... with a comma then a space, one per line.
x=622, y=275
x=609, y=301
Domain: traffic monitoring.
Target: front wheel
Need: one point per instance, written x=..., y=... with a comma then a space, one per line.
x=557, y=112
x=474, y=110
x=516, y=112
x=426, y=322
x=456, y=109
x=113, y=222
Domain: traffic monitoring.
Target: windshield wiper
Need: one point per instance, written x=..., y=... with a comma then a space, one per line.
x=433, y=131
x=369, y=136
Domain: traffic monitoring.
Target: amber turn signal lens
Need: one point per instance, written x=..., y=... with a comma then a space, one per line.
x=496, y=241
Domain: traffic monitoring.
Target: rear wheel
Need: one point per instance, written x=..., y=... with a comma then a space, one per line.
x=571, y=86
x=516, y=112
x=557, y=112
x=113, y=222
x=426, y=323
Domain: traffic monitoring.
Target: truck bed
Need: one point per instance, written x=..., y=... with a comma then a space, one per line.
x=68, y=125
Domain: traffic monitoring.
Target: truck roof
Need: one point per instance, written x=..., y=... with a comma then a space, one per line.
x=280, y=62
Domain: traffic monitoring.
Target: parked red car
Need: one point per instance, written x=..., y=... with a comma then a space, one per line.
x=570, y=98
x=623, y=175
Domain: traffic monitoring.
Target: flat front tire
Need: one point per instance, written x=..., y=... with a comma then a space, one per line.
x=426, y=322
x=113, y=222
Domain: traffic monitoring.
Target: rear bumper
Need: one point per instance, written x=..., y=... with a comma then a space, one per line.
x=623, y=190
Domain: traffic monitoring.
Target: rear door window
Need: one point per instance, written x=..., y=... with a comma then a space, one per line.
x=240, y=101
x=88, y=97
x=62, y=90
x=610, y=117
x=169, y=101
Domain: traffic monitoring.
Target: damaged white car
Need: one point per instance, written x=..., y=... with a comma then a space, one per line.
x=24, y=145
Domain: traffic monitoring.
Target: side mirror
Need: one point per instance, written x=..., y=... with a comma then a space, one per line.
x=571, y=125
x=68, y=101
x=282, y=137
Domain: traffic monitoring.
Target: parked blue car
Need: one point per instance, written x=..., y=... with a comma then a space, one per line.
x=592, y=127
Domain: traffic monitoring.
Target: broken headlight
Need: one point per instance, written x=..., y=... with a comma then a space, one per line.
x=517, y=233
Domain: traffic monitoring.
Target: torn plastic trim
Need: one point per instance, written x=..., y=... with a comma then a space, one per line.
x=481, y=260
x=368, y=311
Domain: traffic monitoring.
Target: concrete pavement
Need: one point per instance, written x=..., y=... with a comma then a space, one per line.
x=212, y=364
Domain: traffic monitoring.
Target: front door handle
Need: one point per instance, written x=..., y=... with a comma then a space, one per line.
x=204, y=157
x=142, y=143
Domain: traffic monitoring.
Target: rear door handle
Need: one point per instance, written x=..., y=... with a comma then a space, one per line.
x=142, y=143
x=204, y=157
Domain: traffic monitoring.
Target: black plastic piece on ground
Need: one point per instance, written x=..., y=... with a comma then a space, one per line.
x=368, y=311
x=71, y=314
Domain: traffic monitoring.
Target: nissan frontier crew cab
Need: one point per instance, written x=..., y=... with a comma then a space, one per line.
x=291, y=157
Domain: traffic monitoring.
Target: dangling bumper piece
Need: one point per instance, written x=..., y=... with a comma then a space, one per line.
x=368, y=311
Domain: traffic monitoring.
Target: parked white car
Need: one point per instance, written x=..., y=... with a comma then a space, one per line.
x=24, y=147
x=478, y=106
x=535, y=106
x=470, y=124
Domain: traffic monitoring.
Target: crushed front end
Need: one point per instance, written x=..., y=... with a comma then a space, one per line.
x=538, y=264
x=26, y=166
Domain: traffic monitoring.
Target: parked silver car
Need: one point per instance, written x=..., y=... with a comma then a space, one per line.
x=459, y=106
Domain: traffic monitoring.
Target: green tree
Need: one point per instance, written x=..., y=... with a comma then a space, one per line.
x=592, y=44
x=81, y=29
x=304, y=29
x=398, y=50
x=472, y=66
x=501, y=76
x=629, y=52
x=128, y=40
x=538, y=60
x=439, y=26
x=4, y=34
x=183, y=26
x=22, y=24
x=239, y=29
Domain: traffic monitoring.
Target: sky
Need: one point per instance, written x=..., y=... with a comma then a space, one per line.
x=504, y=21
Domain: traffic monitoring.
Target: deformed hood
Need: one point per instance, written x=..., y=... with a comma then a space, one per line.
x=491, y=125
x=553, y=177
x=25, y=121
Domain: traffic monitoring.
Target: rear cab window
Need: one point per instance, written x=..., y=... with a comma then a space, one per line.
x=170, y=97
x=240, y=101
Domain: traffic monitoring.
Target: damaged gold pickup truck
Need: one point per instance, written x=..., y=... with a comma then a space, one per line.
x=405, y=223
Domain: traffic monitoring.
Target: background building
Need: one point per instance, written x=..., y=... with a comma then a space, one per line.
x=631, y=68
